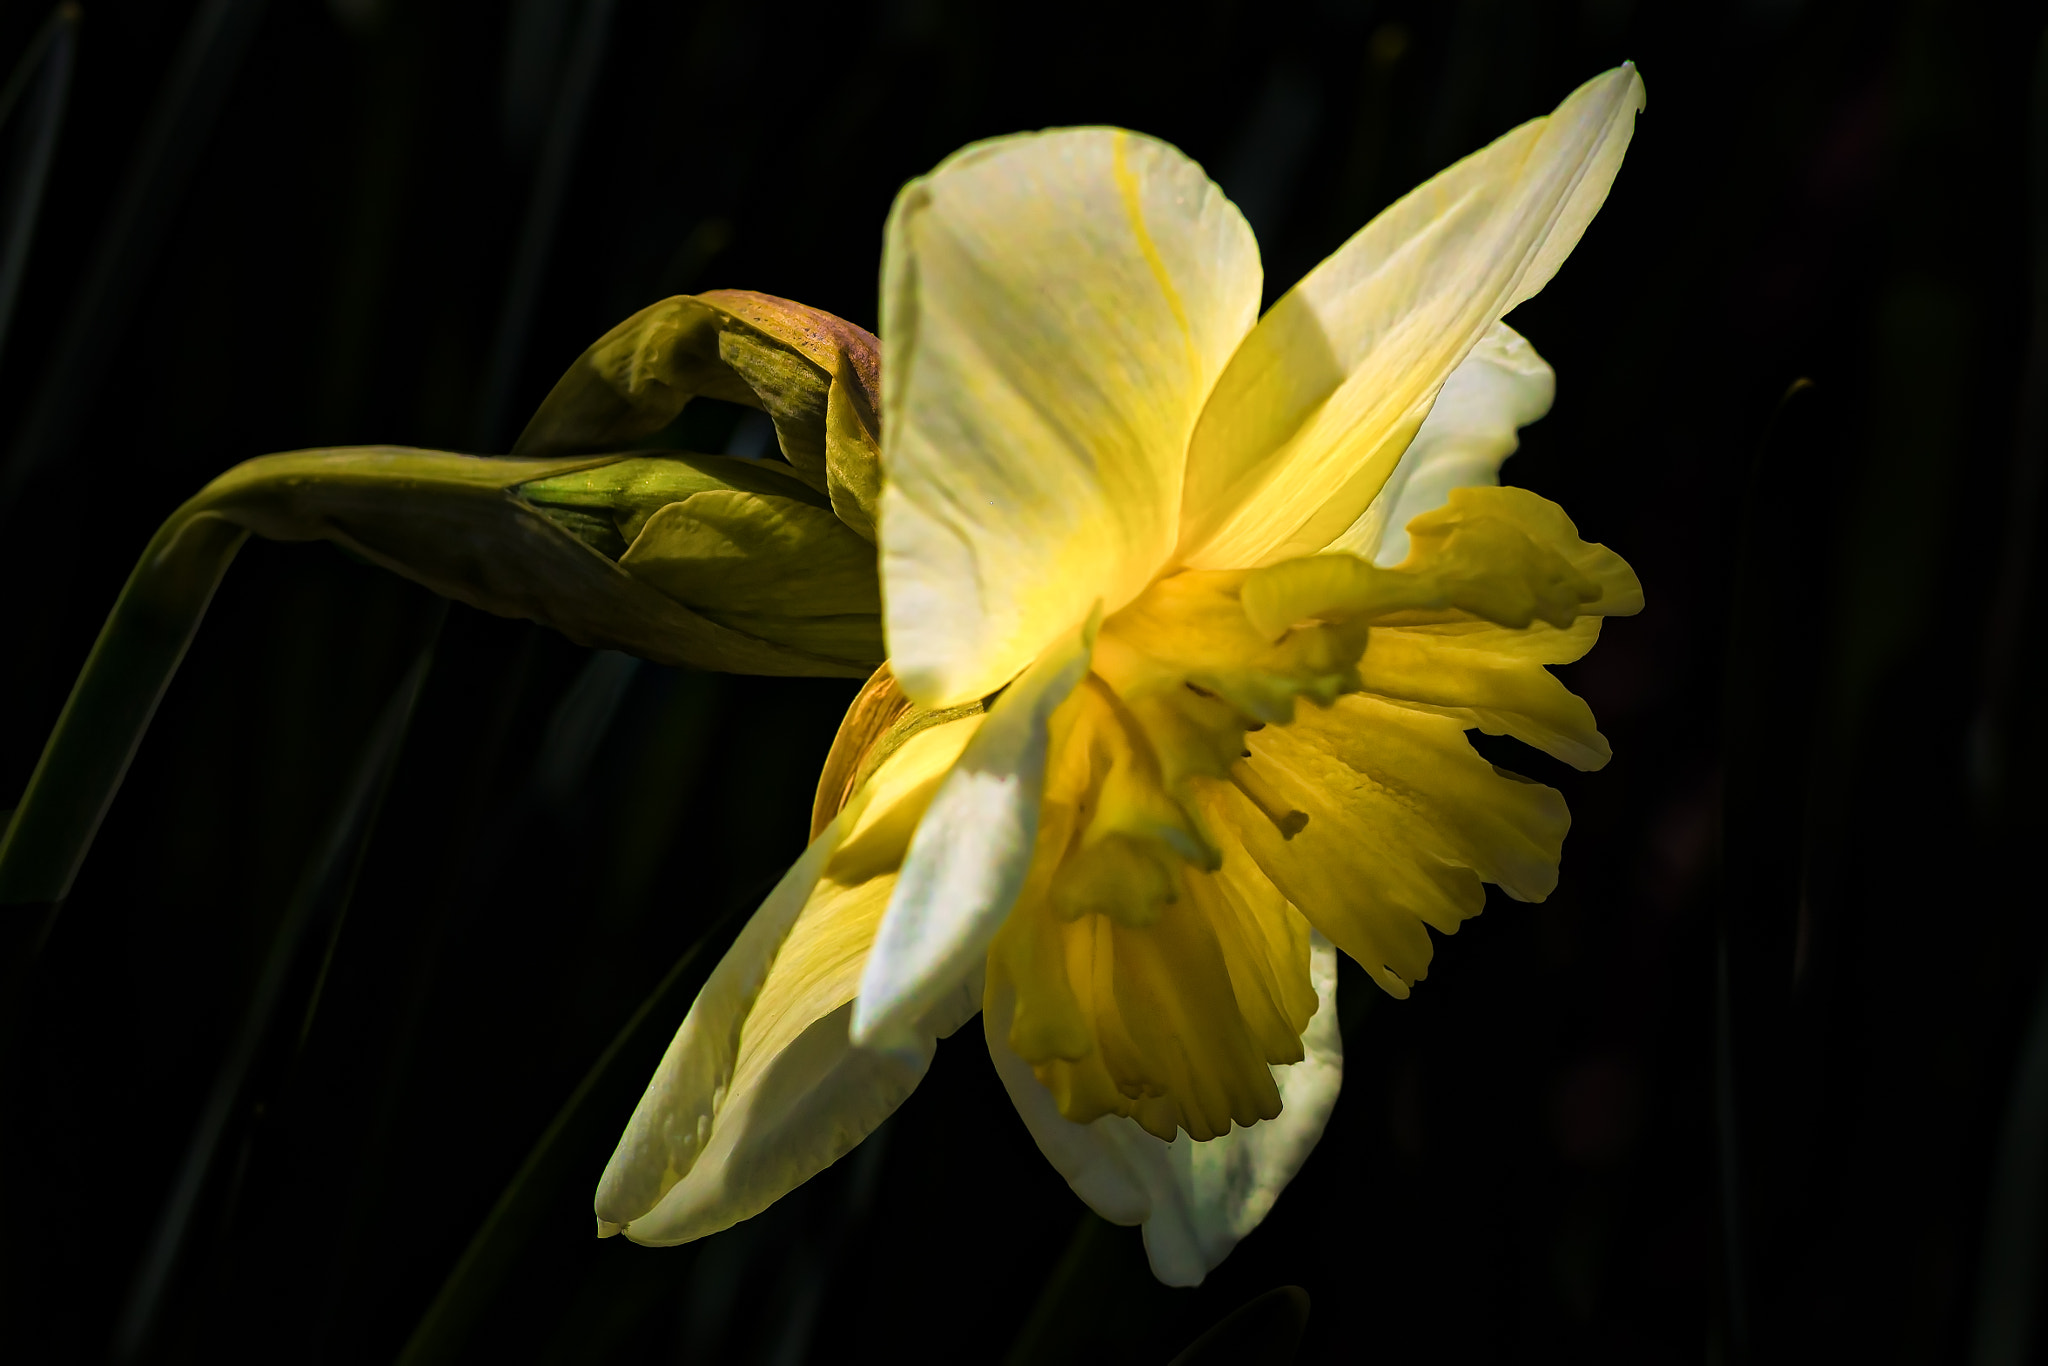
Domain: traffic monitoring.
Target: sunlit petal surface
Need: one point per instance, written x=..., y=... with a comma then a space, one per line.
x=1226, y=722
x=1501, y=387
x=1320, y=402
x=970, y=856
x=1055, y=308
x=1195, y=1200
x=762, y=1088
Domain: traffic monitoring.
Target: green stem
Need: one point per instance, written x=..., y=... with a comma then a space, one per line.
x=551, y=1166
x=110, y=707
x=453, y=523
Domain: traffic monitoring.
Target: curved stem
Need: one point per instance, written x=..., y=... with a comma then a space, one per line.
x=453, y=523
x=131, y=664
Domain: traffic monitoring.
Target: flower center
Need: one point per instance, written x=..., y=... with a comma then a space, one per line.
x=1157, y=972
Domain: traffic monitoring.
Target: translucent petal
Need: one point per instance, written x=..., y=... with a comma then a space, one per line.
x=1162, y=1037
x=1056, y=306
x=968, y=860
x=761, y=1088
x=1319, y=403
x=1224, y=1189
x=1195, y=672
x=666, y=1136
x=1405, y=821
x=1502, y=555
x=1157, y=973
x=1502, y=386
x=1489, y=679
x=1196, y=1200
x=1265, y=943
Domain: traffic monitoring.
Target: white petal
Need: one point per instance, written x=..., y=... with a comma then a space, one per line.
x=1225, y=1188
x=762, y=1088
x=1315, y=408
x=1502, y=386
x=813, y=1103
x=668, y=1130
x=1197, y=1201
x=968, y=859
x=1113, y=1176
x=1055, y=309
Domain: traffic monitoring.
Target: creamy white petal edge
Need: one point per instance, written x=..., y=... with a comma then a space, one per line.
x=1315, y=408
x=969, y=857
x=671, y=1125
x=1196, y=1200
x=1503, y=385
x=698, y=1157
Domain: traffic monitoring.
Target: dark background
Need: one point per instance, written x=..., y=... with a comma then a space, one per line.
x=1744, y=1089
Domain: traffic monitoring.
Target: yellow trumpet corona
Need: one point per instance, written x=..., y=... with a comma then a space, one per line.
x=1188, y=612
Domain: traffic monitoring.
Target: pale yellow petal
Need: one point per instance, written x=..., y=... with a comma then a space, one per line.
x=1197, y=1200
x=1265, y=945
x=762, y=1087
x=672, y=1122
x=1503, y=555
x=883, y=815
x=973, y=847
x=800, y=1096
x=1218, y=1192
x=1056, y=307
x=1502, y=386
x=1320, y=402
x=1457, y=671
x=1405, y=821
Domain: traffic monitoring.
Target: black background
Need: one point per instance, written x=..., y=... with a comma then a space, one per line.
x=1835, y=673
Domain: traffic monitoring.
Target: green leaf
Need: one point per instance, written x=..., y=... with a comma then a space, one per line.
x=1101, y=1301
x=1261, y=1332
x=110, y=706
x=555, y=1162
x=320, y=900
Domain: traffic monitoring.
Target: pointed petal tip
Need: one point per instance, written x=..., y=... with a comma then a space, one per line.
x=1171, y=1265
x=1636, y=78
x=607, y=1229
x=881, y=1030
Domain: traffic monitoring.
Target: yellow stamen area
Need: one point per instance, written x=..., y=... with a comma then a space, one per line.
x=1158, y=973
x=1197, y=820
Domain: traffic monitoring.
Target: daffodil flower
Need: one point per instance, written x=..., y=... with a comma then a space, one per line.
x=1189, y=611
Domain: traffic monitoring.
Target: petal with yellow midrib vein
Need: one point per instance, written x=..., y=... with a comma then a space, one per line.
x=1318, y=405
x=762, y=1088
x=1055, y=308
x=1473, y=426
